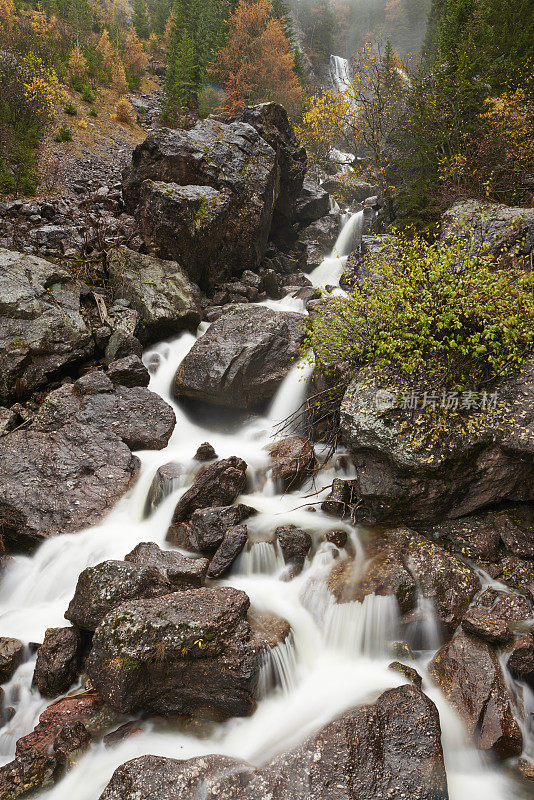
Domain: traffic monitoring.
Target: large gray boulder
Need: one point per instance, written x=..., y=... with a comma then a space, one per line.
x=206, y=197
x=388, y=749
x=493, y=229
x=401, y=477
x=158, y=290
x=136, y=415
x=60, y=481
x=41, y=328
x=186, y=653
x=242, y=359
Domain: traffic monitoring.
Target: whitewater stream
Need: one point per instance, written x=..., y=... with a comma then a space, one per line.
x=336, y=657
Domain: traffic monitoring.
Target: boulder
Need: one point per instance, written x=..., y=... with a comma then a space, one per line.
x=409, y=673
x=11, y=657
x=389, y=749
x=129, y=371
x=136, y=415
x=402, y=477
x=209, y=525
x=42, y=329
x=178, y=570
x=164, y=483
x=483, y=623
x=293, y=460
x=491, y=228
x=122, y=344
x=319, y=239
x=512, y=607
x=215, y=186
x=469, y=673
x=58, y=661
x=205, y=452
x=242, y=359
x=160, y=291
x=476, y=537
x=520, y=656
x=186, y=653
x=312, y=203
x=215, y=485
x=60, y=482
x=232, y=544
x=517, y=535
x=103, y=588
x=295, y=545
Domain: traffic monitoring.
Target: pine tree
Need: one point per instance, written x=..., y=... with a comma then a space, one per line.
x=181, y=80
x=140, y=19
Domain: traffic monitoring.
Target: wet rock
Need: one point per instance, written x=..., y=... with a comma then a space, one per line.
x=318, y=239
x=295, y=545
x=60, y=482
x=269, y=629
x=391, y=748
x=293, y=460
x=161, y=293
x=205, y=197
x=8, y=420
x=42, y=330
x=11, y=657
x=409, y=673
x=129, y=371
x=164, y=483
x=217, y=484
x=337, y=537
x=312, y=203
x=518, y=573
x=400, y=479
x=58, y=661
x=385, y=575
x=517, y=538
x=242, y=359
x=70, y=742
x=122, y=345
x=231, y=546
x=209, y=525
x=25, y=774
x=338, y=501
x=476, y=537
x=512, y=607
x=468, y=672
x=525, y=769
x=482, y=623
x=205, y=452
x=491, y=228
x=178, y=570
x=136, y=415
x=520, y=655
x=187, y=653
x=103, y=588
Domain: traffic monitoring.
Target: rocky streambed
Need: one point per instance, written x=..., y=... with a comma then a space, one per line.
x=188, y=607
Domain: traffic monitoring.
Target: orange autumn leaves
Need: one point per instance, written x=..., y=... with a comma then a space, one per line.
x=257, y=62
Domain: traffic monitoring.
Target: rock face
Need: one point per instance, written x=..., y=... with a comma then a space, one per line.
x=206, y=197
x=490, y=228
x=136, y=415
x=401, y=480
x=319, y=239
x=42, y=330
x=58, y=660
x=103, y=588
x=185, y=653
x=312, y=203
x=60, y=482
x=242, y=359
x=390, y=749
x=468, y=672
x=159, y=291
x=404, y=563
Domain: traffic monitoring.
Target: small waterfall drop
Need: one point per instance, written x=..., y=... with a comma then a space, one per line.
x=279, y=668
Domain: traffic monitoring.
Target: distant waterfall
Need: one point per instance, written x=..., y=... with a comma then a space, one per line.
x=339, y=73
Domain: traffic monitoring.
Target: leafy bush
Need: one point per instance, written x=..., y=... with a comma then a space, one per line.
x=93, y=112
x=64, y=134
x=124, y=112
x=438, y=315
x=70, y=108
x=77, y=84
x=87, y=95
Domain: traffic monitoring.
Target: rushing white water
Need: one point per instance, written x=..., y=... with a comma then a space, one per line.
x=335, y=656
x=339, y=73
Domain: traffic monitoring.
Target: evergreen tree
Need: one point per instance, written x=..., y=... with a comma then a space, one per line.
x=140, y=19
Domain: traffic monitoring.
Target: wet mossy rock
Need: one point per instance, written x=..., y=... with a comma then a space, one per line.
x=389, y=749
x=160, y=291
x=404, y=476
x=242, y=359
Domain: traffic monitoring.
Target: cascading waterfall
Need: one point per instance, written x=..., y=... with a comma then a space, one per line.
x=334, y=657
x=339, y=73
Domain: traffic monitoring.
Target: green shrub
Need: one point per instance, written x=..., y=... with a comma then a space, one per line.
x=77, y=84
x=438, y=315
x=64, y=134
x=93, y=112
x=87, y=95
x=70, y=108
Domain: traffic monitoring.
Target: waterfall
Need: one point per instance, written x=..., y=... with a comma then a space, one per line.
x=335, y=657
x=339, y=73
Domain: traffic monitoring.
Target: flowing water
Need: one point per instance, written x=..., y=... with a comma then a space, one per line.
x=339, y=73
x=336, y=656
